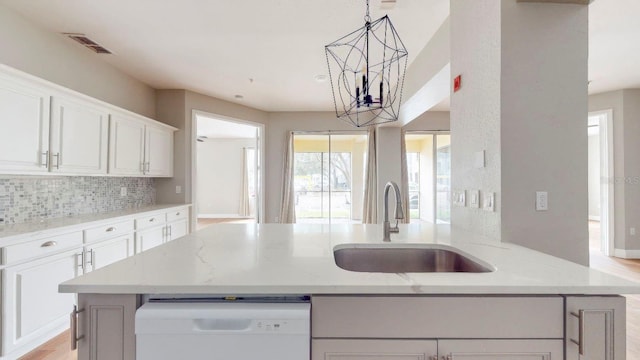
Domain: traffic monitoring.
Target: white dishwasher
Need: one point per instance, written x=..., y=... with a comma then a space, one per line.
x=223, y=331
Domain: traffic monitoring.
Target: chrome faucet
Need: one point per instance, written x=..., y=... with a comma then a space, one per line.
x=399, y=214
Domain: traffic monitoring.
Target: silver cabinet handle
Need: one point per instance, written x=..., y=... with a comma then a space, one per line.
x=92, y=254
x=152, y=219
x=580, y=341
x=148, y=167
x=74, y=327
x=49, y=244
x=142, y=167
x=46, y=159
x=111, y=229
x=57, y=156
x=81, y=261
x=178, y=213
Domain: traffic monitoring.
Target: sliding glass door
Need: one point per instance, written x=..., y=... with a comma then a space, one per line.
x=429, y=173
x=328, y=177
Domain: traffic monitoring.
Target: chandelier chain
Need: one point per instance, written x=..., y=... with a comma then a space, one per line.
x=367, y=18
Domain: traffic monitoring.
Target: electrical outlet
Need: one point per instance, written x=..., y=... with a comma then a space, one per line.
x=488, y=202
x=542, y=201
x=123, y=191
x=632, y=231
x=474, y=199
x=178, y=189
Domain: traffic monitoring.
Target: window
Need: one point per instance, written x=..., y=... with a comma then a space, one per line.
x=329, y=177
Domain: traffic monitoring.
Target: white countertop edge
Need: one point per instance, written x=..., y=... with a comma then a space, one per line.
x=257, y=290
x=11, y=234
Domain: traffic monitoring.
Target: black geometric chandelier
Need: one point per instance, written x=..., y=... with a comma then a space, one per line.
x=367, y=68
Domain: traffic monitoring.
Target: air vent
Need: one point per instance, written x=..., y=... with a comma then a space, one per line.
x=387, y=4
x=84, y=40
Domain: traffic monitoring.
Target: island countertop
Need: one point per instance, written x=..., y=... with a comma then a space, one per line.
x=275, y=259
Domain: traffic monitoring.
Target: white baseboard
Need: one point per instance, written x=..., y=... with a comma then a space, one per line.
x=594, y=217
x=627, y=254
x=222, y=216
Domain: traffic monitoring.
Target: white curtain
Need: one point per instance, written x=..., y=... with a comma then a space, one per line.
x=244, y=194
x=370, y=202
x=404, y=187
x=288, y=210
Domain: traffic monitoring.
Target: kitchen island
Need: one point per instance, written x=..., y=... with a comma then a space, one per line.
x=531, y=304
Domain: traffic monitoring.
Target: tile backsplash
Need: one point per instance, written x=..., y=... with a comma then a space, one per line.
x=25, y=198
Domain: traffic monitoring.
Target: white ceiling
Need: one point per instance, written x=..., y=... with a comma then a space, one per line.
x=215, y=47
x=212, y=128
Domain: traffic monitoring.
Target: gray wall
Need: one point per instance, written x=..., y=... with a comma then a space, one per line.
x=53, y=57
x=430, y=121
x=524, y=101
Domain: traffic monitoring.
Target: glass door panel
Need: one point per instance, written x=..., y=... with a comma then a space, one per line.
x=443, y=179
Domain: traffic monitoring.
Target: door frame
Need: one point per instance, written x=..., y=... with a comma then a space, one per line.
x=260, y=178
x=607, y=187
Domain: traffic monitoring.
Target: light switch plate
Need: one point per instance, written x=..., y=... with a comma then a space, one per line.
x=459, y=198
x=474, y=199
x=489, y=201
x=123, y=191
x=542, y=201
x=178, y=189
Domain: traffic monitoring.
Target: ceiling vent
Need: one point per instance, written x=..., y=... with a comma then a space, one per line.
x=387, y=4
x=88, y=43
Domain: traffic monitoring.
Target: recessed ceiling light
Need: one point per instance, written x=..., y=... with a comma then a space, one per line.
x=239, y=97
x=320, y=78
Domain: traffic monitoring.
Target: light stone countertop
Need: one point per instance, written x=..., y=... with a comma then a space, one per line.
x=273, y=259
x=15, y=233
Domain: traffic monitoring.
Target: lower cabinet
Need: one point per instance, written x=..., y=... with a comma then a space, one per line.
x=383, y=349
x=109, y=251
x=178, y=229
x=32, y=307
x=343, y=349
x=150, y=238
x=595, y=327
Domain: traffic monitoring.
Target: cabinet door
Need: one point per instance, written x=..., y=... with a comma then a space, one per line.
x=24, y=120
x=603, y=332
x=109, y=251
x=159, y=152
x=150, y=238
x=351, y=349
x=178, y=229
x=32, y=307
x=79, y=137
x=126, y=146
x=501, y=349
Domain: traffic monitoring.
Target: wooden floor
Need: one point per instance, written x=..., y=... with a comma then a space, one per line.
x=58, y=348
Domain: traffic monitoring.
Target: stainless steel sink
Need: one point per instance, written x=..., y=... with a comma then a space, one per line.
x=406, y=258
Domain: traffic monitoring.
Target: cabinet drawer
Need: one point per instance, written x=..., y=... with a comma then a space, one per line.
x=149, y=221
x=409, y=317
x=40, y=247
x=108, y=231
x=177, y=214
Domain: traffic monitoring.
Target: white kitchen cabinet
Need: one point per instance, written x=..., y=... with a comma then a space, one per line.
x=150, y=238
x=24, y=120
x=109, y=251
x=137, y=147
x=32, y=306
x=79, y=136
x=126, y=145
x=158, y=151
x=595, y=322
x=178, y=229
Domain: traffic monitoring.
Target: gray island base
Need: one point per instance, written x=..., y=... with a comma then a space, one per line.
x=533, y=306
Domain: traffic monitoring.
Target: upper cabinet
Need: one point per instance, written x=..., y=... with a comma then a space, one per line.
x=79, y=137
x=140, y=148
x=50, y=129
x=24, y=120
